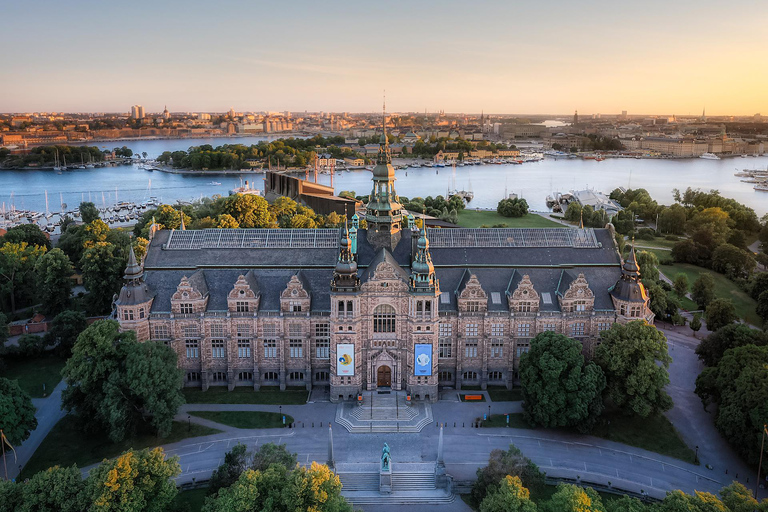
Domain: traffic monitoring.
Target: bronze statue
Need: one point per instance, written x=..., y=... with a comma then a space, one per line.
x=385, y=459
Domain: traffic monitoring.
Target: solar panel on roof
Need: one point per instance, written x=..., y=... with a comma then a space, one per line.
x=546, y=298
x=253, y=239
x=512, y=237
x=496, y=297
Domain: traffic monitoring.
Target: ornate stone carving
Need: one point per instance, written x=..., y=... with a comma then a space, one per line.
x=185, y=291
x=579, y=289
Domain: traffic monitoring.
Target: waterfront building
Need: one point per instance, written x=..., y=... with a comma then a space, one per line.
x=389, y=306
x=137, y=112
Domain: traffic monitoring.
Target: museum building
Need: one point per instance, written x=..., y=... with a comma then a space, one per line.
x=391, y=306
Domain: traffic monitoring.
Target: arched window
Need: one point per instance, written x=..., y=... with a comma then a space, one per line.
x=384, y=318
x=270, y=376
x=296, y=376
x=322, y=376
x=495, y=376
x=469, y=376
x=444, y=377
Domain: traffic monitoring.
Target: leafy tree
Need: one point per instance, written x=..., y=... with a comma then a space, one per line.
x=560, y=388
x=3, y=331
x=672, y=220
x=116, y=384
x=102, y=264
x=695, y=324
x=681, y=285
x=29, y=233
x=758, y=285
x=509, y=496
x=31, y=345
x=250, y=211
x=276, y=488
x=711, y=219
x=739, y=499
x=635, y=360
x=349, y=194
x=762, y=307
x=688, y=251
x=54, y=272
x=334, y=220
x=500, y=464
x=625, y=504
x=17, y=265
x=56, y=489
x=140, y=481
x=88, y=212
x=703, y=290
x=65, y=328
x=301, y=221
x=71, y=242
x=712, y=348
x=227, y=221
x=719, y=313
x=649, y=266
x=732, y=261
x=270, y=453
x=738, y=385
x=17, y=414
x=512, y=207
x=570, y=498
x=235, y=462
x=170, y=218
x=283, y=206
x=11, y=499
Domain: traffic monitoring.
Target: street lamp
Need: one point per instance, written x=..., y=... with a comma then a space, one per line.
x=696, y=456
x=489, y=412
x=760, y=466
x=189, y=423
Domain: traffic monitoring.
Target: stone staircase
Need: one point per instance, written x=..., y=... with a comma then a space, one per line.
x=384, y=413
x=408, y=487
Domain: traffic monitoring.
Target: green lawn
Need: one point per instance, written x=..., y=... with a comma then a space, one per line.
x=724, y=288
x=245, y=395
x=516, y=420
x=66, y=444
x=505, y=395
x=191, y=500
x=245, y=419
x=469, y=218
x=655, y=434
x=32, y=373
x=659, y=243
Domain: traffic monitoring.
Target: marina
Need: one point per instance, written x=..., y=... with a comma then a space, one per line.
x=484, y=184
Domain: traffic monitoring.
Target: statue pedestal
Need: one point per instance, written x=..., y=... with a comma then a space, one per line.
x=385, y=481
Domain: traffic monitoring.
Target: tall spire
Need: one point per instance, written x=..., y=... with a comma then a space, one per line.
x=422, y=270
x=345, y=273
x=133, y=270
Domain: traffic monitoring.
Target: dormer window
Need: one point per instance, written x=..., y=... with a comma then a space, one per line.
x=242, y=307
x=185, y=308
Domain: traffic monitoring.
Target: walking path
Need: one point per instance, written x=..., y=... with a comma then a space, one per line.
x=48, y=414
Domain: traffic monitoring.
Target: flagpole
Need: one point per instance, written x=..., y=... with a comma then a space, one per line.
x=760, y=465
x=2, y=442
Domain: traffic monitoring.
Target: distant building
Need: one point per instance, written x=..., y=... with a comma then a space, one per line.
x=137, y=112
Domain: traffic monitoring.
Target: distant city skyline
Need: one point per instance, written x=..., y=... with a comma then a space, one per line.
x=553, y=57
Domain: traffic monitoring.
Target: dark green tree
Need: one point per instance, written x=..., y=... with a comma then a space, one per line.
x=56, y=489
x=270, y=453
x=762, y=308
x=649, y=266
x=712, y=348
x=732, y=261
x=64, y=330
x=116, y=384
x=88, y=212
x=695, y=324
x=719, y=313
x=235, y=462
x=17, y=272
x=635, y=360
x=31, y=234
x=560, y=388
x=17, y=414
x=703, y=290
x=102, y=264
x=681, y=285
x=739, y=385
x=54, y=279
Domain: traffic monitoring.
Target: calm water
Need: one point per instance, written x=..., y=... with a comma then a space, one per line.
x=533, y=181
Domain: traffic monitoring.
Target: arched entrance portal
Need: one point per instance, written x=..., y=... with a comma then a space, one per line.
x=384, y=376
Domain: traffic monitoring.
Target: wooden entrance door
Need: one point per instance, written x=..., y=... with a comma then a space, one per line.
x=384, y=376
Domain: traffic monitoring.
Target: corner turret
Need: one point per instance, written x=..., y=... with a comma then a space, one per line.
x=135, y=300
x=423, y=278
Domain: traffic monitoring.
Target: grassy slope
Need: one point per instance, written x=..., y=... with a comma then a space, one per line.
x=66, y=445
x=245, y=419
x=192, y=499
x=473, y=219
x=32, y=373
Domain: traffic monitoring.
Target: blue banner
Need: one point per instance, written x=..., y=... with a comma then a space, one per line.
x=423, y=360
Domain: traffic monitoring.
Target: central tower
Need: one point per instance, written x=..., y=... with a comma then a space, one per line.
x=384, y=213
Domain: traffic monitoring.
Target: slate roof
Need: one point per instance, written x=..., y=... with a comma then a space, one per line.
x=268, y=270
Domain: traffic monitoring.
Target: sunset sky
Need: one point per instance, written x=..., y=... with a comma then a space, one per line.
x=652, y=57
